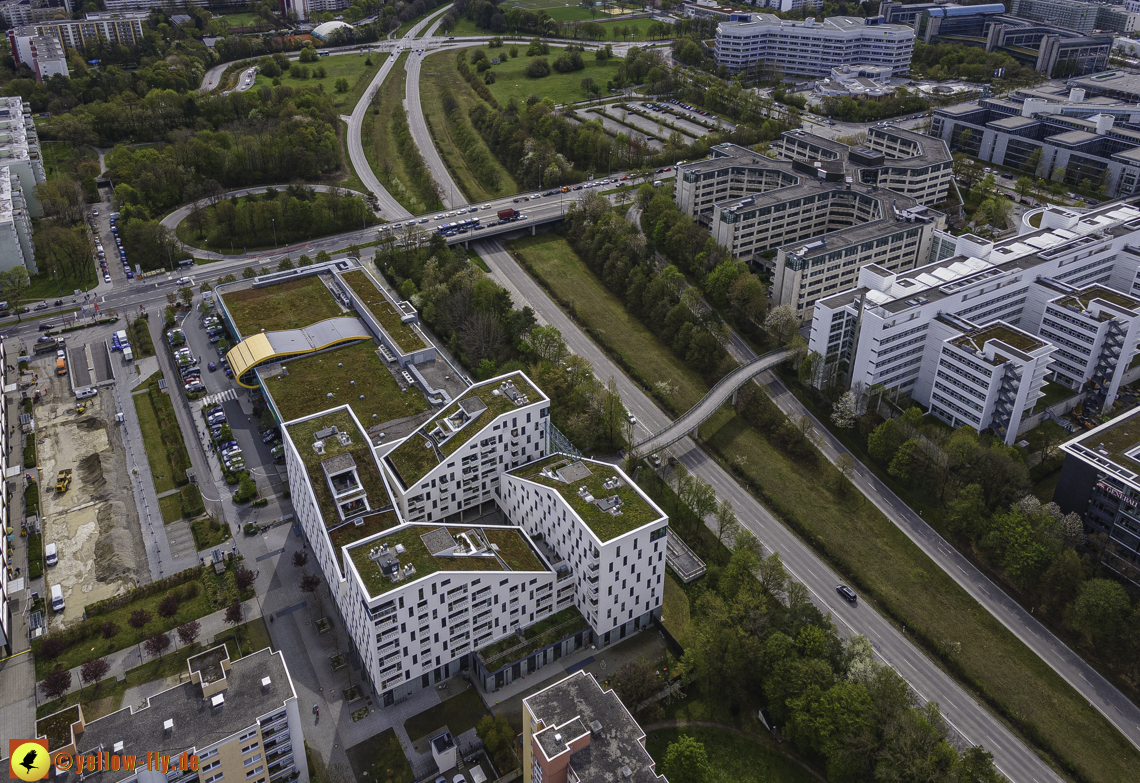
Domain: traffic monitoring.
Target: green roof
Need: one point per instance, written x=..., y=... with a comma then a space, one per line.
x=391, y=320
x=548, y=631
x=292, y=304
x=360, y=448
x=1121, y=437
x=57, y=727
x=413, y=458
x=349, y=532
x=347, y=373
x=635, y=509
x=514, y=553
x=1084, y=297
x=1014, y=338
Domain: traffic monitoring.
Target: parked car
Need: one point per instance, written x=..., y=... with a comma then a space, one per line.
x=211, y=366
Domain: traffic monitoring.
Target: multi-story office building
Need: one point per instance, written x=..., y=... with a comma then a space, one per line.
x=41, y=53
x=810, y=48
x=16, y=13
x=823, y=210
x=1093, y=139
x=240, y=718
x=975, y=334
x=575, y=731
x=5, y=517
x=1100, y=480
x=16, y=248
x=708, y=9
x=121, y=28
x=449, y=530
x=1074, y=15
x=1052, y=49
x=20, y=150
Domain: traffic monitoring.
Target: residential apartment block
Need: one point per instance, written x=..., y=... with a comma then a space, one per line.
x=16, y=248
x=575, y=731
x=303, y=10
x=121, y=28
x=240, y=718
x=16, y=13
x=457, y=531
x=810, y=48
x=821, y=210
x=5, y=518
x=1100, y=480
x=42, y=53
x=1094, y=139
x=20, y=150
x=975, y=335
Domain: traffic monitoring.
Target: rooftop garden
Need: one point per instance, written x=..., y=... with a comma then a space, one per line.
x=511, y=648
x=1011, y=337
x=1118, y=439
x=514, y=548
x=294, y=304
x=412, y=459
x=303, y=435
x=516, y=555
x=349, y=533
x=57, y=727
x=1107, y=294
x=635, y=509
x=388, y=316
x=348, y=374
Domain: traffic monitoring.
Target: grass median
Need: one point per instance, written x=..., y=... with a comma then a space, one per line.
x=862, y=544
x=165, y=449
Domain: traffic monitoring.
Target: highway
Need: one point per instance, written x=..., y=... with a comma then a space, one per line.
x=971, y=720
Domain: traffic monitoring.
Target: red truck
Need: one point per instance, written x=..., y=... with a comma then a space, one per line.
x=507, y=214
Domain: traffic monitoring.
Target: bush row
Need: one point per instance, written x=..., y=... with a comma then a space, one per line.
x=478, y=158
x=425, y=186
x=32, y=499
x=473, y=79
x=161, y=586
x=30, y=451
x=171, y=434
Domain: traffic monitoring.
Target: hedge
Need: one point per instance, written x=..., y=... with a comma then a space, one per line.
x=32, y=499
x=30, y=452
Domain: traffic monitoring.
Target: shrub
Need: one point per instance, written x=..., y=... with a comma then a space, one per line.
x=538, y=68
x=30, y=452
x=109, y=629
x=247, y=490
x=168, y=606
x=260, y=503
x=139, y=618
x=32, y=499
x=188, y=632
x=50, y=648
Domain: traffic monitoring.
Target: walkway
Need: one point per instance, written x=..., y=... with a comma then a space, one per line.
x=724, y=390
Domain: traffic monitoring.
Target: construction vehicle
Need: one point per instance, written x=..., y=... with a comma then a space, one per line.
x=63, y=481
x=60, y=366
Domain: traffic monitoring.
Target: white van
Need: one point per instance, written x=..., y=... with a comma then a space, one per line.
x=57, y=598
x=51, y=554
x=83, y=394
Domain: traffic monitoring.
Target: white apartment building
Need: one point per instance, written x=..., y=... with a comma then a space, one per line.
x=16, y=13
x=123, y=28
x=1059, y=302
x=5, y=518
x=41, y=53
x=823, y=210
x=20, y=150
x=16, y=248
x=811, y=48
x=302, y=10
x=240, y=718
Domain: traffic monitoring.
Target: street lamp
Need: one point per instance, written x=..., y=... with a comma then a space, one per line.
x=273, y=222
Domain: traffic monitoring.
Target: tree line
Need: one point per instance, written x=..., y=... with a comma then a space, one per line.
x=278, y=217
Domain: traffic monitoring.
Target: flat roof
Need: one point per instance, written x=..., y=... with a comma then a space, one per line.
x=1085, y=296
x=1013, y=123
x=267, y=346
x=443, y=434
x=976, y=339
x=293, y=303
x=431, y=548
x=1073, y=137
x=600, y=494
x=1113, y=447
x=387, y=313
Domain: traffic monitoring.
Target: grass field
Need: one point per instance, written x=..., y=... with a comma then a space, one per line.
x=63, y=156
x=244, y=19
x=551, y=259
x=512, y=82
x=861, y=543
x=460, y=713
x=675, y=610
x=171, y=507
x=750, y=759
x=350, y=66
x=381, y=759
x=160, y=465
x=438, y=79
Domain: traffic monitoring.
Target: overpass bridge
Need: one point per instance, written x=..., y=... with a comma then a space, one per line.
x=725, y=389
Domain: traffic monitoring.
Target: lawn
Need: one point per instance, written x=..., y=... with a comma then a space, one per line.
x=380, y=759
x=512, y=82
x=171, y=507
x=750, y=759
x=347, y=373
x=294, y=304
x=247, y=638
x=554, y=263
x=460, y=713
x=244, y=19
x=479, y=175
x=207, y=532
x=159, y=449
x=349, y=66
x=44, y=286
x=63, y=157
x=866, y=547
x=675, y=611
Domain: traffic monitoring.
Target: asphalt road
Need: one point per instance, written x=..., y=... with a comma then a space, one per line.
x=970, y=719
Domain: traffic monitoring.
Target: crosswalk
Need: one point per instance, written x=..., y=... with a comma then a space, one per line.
x=219, y=398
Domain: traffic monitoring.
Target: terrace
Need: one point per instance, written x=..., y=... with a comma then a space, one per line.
x=511, y=648
x=408, y=554
x=354, y=375
x=456, y=424
x=407, y=338
x=294, y=304
x=359, y=448
x=609, y=508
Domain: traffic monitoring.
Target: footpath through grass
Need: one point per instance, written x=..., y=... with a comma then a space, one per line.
x=861, y=544
x=479, y=175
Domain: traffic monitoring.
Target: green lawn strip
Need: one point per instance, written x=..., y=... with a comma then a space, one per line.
x=155, y=448
x=747, y=759
x=207, y=532
x=245, y=639
x=294, y=304
x=865, y=546
x=675, y=611
x=478, y=261
x=460, y=713
x=205, y=593
x=171, y=507
x=554, y=263
x=380, y=759
x=888, y=568
x=348, y=66
x=511, y=80
x=438, y=80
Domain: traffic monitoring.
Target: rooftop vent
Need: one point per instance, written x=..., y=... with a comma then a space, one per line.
x=358, y=522
x=344, y=438
x=266, y=682
x=168, y=726
x=400, y=549
x=118, y=748
x=558, y=738
x=626, y=772
x=319, y=447
x=217, y=700
x=595, y=726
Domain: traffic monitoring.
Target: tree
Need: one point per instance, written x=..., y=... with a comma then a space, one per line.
x=498, y=738
x=56, y=684
x=1024, y=186
x=109, y=629
x=13, y=283
x=188, y=632
x=234, y=613
x=636, y=683
x=300, y=558
x=157, y=644
x=309, y=584
x=884, y=441
x=846, y=410
x=686, y=761
x=50, y=648
x=168, y=606
x=187, y=295
x=1032, y=163
x=341, y=85
x=243, y=577
x=547, y=344
x=138, y=619
x=782, y=323
x=248, y=272
x=1099, y=612
x=94, y=670
x=284, y=265
x=726, y=521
